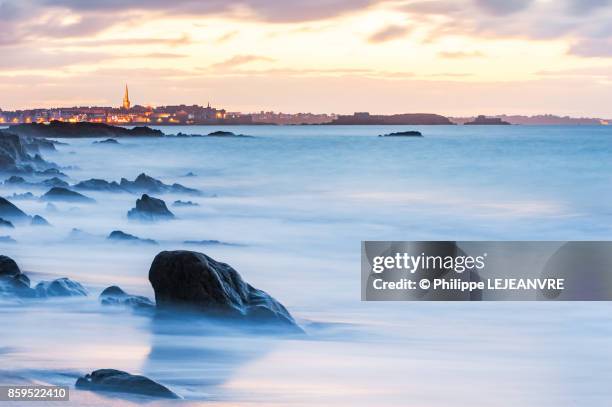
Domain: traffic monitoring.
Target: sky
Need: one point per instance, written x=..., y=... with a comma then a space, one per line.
x=453, y=57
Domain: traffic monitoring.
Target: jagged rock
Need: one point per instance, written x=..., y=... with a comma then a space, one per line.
x=66, y=195
x=150, y=209
x=10, y=212
x=107, y=141
x=6, y=224
x=194, y=281
x=53, y=171
x=12, y=281
x=15, y=157
x=61, y=287
x=180, y=203
x=119, y=381
x=146, y=184
x=55, y=182
x=118, y=235
x=39, y=221
x=99, y=185
x=116, y=296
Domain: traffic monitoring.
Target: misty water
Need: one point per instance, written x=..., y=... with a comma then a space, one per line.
x=295, y=202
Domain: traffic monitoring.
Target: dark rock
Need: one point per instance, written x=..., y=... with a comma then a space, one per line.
x=116, y=296
x=410, y=133
x=66, y=195
x=61, y=287
x=150, y=209
x=25, y=195
x=15, y=154
x=118, y=235
x=15, y=180
x=190, y=174
x=191, y=280
x=484, y=120
x=7, y=239
x=39, y=221
x=57, y=129
x=118, y=381
x=53, y=171
x=55, y=182
x=8, y=267
x=12, y=281
x=222, y=133
x=107, y=141
x=180, y=203
x=11, y=212
x=6, y=224
x=99, y=185
x=146, y=184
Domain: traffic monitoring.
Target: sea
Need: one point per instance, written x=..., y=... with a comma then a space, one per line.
x=293, y=204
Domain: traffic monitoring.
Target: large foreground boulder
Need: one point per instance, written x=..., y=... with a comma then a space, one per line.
x=123, y=382
x=194, y=281
x=150, y=209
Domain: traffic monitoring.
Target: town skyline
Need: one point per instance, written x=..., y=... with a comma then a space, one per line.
x=390, y=56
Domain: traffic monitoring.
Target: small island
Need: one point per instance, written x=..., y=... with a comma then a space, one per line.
x=409, y=133
x=484, y=120
x=57, y=129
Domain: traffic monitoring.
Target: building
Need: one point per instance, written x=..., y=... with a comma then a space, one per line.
x=126, y=99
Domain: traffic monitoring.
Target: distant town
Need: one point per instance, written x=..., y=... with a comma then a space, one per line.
x=126, y=114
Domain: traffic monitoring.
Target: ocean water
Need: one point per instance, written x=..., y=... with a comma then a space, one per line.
x=297, y=201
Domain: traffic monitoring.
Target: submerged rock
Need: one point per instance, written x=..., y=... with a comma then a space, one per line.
x=6, y=224
x=116, y=296
x=99, y=185
x=39, y=221
x=7, y=239
x=194, y=281
x=107, y=141
x=118, y=235
x=223, y=133
x=146, y=184
x=208, y=243
x=10, y=212
x=119, y=381
x=66, y=195
x=180, y=203
x=25, y=195
x=150, y=209
x=410, y=133
x=61, y=287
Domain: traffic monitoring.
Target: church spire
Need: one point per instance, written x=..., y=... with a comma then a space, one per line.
x=126, y=99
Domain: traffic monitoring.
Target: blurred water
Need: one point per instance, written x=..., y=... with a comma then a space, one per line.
x=298, y=200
